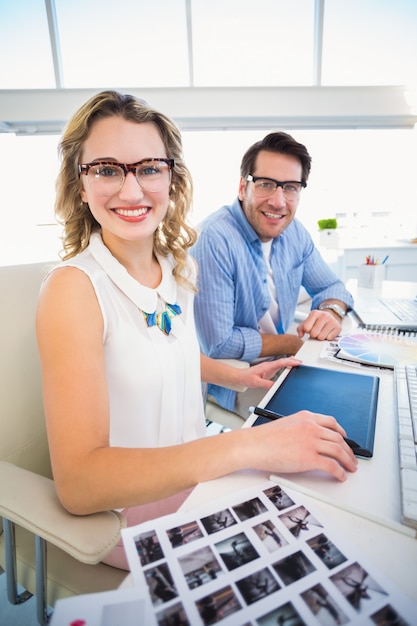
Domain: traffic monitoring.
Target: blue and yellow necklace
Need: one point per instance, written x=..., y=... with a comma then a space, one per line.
x=163, y=320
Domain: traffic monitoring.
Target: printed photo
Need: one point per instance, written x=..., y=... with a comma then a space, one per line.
x=218, y=605
x=299, y=520
x=388, y=616
x=173, y=615
x=200, y=567
x=269, y=535
x=357, y=586
x=180, y=535
x=324, y=607
x=293, y=567
x=258, y=585
x=161, y=584
x=279, y=498
x=284, y=615
x=148, y=547
x=326, y=551
x=250, y=508
x=218, y=521
x=236, y=551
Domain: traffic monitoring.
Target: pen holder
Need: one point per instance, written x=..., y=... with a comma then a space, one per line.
x=371, y=276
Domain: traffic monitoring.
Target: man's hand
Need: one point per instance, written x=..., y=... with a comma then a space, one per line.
x=322, y=325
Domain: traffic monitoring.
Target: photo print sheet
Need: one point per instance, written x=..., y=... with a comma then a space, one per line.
x=259, y=558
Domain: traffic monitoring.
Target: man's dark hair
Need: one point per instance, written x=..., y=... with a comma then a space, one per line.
x=281, y=143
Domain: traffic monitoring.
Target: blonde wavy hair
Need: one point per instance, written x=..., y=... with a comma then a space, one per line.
x=174, y=235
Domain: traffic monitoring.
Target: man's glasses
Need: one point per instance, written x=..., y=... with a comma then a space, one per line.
x=106, y=178
x=265, y=187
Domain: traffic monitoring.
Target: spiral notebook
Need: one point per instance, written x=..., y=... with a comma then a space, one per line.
x=351, y=398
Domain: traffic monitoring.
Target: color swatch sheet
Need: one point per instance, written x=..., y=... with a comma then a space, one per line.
x=378, y=349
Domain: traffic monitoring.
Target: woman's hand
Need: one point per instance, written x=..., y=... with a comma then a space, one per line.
x=221, y=373
x=301, y=442
x=260, y=375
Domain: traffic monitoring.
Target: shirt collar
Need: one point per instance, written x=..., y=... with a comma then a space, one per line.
x=144, y=297
x=238, y=214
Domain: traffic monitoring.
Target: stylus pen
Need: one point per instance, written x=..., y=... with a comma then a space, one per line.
x=265, y=413
x=273, y=416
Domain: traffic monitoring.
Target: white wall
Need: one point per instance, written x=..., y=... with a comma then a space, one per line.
x=365, y=177
x=368, y=176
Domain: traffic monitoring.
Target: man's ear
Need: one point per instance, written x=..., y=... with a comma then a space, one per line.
x=242, y=189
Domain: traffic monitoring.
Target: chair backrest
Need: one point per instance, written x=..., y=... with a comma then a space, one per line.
x=23, y=442
x=23, y=438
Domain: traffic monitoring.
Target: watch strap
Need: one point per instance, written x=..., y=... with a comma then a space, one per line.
x=336, y=308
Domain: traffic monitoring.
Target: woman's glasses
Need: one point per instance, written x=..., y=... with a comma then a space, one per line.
x=106, y=178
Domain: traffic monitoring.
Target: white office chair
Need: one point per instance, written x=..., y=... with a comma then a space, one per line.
x=48, y=551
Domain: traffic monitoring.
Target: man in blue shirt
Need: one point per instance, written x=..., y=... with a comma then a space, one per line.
x=253, y=257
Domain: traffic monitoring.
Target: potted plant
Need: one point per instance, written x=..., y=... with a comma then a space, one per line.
x=329, y=237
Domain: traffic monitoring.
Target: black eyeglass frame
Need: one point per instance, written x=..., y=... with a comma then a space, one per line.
x=126, y=167
x=278, y=183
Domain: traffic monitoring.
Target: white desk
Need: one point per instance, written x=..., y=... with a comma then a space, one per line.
x=374, y=487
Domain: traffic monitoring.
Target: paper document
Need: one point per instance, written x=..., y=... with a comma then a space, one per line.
x=257, y=558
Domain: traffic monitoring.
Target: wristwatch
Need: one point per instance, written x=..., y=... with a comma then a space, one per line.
x=333, y=307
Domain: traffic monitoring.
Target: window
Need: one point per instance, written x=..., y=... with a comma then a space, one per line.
x=241, y=43
x=130, y=43
x=369, y=42
x=25, y=51
x=167, y=43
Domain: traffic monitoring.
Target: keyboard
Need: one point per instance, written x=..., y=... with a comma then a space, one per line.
x=405, y=378
x=404, y=308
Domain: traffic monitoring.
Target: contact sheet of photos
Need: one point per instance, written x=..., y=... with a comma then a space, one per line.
x=256, y=559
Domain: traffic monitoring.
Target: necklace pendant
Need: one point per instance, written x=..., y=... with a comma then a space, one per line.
x=162, y=320
x=165, y=323
x=150, y=318
x=175, y=309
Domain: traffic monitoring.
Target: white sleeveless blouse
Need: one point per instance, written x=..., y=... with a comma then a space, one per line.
x=153, y=380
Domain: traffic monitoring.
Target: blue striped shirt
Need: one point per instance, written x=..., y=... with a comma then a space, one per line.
x=233, y=291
